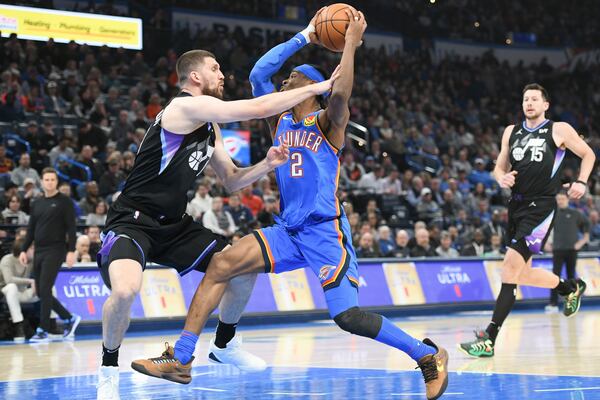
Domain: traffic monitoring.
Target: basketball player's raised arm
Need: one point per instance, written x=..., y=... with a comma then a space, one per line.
x=185, y=114
x=502, y=173
x=235, y=178
x=568, y=137
x=335, y=117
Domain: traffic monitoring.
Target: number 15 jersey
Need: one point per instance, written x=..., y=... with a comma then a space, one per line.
x=308, y=182
x=537, y=160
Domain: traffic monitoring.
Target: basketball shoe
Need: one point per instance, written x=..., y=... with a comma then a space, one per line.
x=573, y=300
x=165, y=367
x=434, y=368
x=233, y=354
x=482, y=346
x=71, y=325
x=108, y=383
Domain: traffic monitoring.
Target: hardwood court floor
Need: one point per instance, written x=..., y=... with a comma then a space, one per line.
x=538, y=356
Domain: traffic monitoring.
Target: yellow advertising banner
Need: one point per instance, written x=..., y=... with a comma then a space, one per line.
x=291, y=291
x=404, y=283
x=588, y=269
x=64, y=26
x=493, y=269
x=161, y=294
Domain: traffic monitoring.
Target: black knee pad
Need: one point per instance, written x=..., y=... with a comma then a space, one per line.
x=359, y=322
x=520, y=246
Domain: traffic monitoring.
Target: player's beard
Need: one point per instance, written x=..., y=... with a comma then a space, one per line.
x=533, y=117
x=216, y=92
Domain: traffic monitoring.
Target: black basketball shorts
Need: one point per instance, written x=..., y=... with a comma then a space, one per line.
x=530, y=222
x=185, y=245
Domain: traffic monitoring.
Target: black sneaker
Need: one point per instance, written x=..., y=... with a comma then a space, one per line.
x=573, y=300
x=19, y=336
x=40, y=336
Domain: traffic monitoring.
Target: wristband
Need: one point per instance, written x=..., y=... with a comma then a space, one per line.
x=306, y=31
x=582, y=182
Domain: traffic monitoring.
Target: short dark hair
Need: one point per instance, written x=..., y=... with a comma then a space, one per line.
x=49, y=170
x=537, y=86
x=188, y=61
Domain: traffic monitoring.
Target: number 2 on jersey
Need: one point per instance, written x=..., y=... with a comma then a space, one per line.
x=296, y=165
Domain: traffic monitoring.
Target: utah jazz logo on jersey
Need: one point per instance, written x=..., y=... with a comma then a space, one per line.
x=200, y=156
x=537, y=146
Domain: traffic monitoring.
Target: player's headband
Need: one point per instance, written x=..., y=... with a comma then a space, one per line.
x=311, y=73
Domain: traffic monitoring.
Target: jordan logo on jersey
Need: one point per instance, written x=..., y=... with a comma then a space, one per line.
x=537, y=146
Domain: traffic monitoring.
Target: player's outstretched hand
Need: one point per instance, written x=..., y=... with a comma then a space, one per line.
x=325, y=86
x=278, y=155
x=576, y=190
x=507, y=180
x=314, y=39
x=357, y=26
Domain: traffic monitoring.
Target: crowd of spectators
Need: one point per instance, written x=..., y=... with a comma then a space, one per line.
x=420, y=187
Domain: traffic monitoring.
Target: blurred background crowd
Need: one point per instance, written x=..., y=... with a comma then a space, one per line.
x=418, y=181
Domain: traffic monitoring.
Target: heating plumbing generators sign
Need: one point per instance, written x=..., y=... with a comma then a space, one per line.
x=64, y=26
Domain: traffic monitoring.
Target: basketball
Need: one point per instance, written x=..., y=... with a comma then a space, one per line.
x=331, y=26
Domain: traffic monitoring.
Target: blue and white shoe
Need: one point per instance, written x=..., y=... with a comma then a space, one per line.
x=71, y=325
x=40, y=336
x=234, y=355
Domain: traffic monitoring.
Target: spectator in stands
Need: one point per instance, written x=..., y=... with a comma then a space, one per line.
x=218, y=220
x=371, y=181
x=445, y=248
x=82, y=249
x=53, y=102
x=201, y=203
x=121, y=127
x=366, y=247
x=436, y=193
x=90, y=201
x=18, y=287
x=61, y=150
x=98, y=217
x=112, y=179
x=391, y=184
x=266, y=216
x=422, y=247
x=252, y=201
x=242, y=216
x=91, y=135
x=24, y=171
x=427, y=209
x=65, y=188
x=12, y=215
x=402, y=250
x=154, y=106
x=6, y=164
x=482, y=212
x=87, y=158
x=351, y=171
x=38, y=153
x=413, y=194
x=385, y=242
x=449, y=208
x=495, y=249
x=477, y=246
x=495, y=226
x=480, y=175
x=93, y=234
x=594, y=227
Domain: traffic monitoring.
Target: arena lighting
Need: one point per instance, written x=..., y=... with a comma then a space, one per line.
x=508, y=41
x=476, y=24
x=358, y=133
x=64, y=26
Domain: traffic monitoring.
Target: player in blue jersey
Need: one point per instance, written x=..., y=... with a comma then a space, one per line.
x=312, y=230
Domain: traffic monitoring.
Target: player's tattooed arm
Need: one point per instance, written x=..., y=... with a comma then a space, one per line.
x=335, y=118
x=565, y=136
x=502, y=172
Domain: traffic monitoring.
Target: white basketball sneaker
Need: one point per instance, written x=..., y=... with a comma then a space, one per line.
x=233, y=354
x=108, y=383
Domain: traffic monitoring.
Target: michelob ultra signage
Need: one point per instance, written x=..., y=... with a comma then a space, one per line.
x=64, y=26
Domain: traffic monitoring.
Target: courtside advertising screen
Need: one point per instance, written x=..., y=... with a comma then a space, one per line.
x=64, y=26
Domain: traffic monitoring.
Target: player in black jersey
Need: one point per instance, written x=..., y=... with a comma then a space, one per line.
x=147, y=223
x=529, y=163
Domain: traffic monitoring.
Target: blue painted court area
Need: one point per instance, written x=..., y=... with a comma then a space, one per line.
x=223, y=382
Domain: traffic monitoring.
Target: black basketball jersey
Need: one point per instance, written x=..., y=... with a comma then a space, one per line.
x=534, y=155
x=166, y=166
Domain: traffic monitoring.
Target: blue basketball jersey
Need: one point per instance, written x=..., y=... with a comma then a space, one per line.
x=308, y=181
